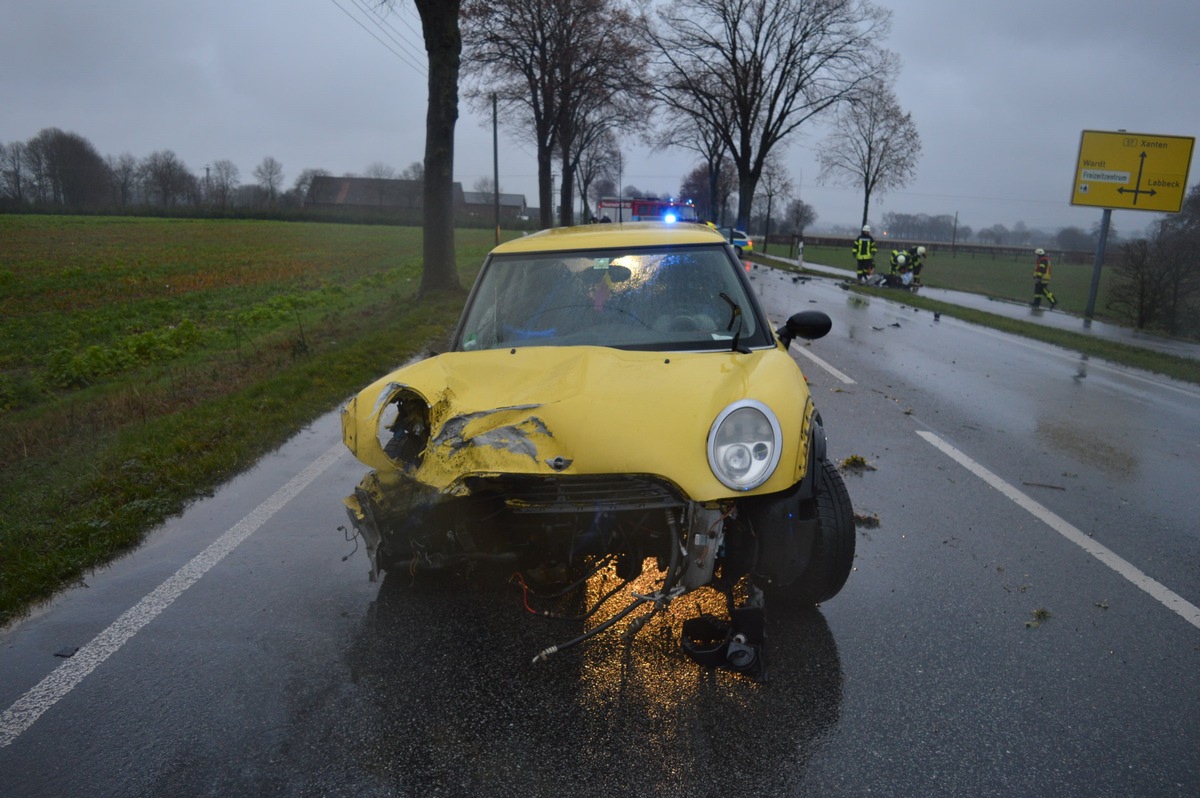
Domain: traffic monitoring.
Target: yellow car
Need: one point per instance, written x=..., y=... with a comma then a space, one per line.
x=612, y=395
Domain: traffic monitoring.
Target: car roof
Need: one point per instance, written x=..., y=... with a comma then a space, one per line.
x=606, y=236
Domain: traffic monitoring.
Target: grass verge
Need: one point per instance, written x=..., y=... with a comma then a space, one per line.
x=88, y=465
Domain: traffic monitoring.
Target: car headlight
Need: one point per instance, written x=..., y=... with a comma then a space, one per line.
x=403, y=430
x=743, y=445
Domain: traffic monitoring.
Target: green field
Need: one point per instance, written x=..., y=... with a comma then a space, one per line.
x=1000, y=276
x=145, y=361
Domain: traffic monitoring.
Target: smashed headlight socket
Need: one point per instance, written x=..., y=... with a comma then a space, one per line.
x=403, y=431
x=744, y=445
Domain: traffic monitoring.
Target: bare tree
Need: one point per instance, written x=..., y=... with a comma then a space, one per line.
x=605, y=185
x=997, y=234
x=124, y=171
x=300, y=188
x=66, y=169
x=701, y=135
x=874, y=146
x=922, y=227
x=761, y=69
x=555, y=63
x=224, y=180
x=1136, y=290
x=597, y=160
x=1157, y=282
x=14, y=175
x=486, y=186
x=1072, y=239
x=775, y=182
x=414, y=171
x=165, y=176
x=269, y=175
x=799, y=216
x=379, y=171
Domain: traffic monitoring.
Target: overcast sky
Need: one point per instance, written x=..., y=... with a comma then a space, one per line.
x=1000, y=92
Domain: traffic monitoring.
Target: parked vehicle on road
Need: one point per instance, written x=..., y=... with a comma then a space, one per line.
x=738, y=238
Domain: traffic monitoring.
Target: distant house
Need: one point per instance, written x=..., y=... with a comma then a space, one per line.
x=370, y=193
x=403, y=198
x=483, y=204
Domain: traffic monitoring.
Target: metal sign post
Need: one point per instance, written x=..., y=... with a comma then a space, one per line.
x=1129, y=171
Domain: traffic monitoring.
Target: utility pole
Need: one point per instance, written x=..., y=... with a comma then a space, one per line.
x=496, y=167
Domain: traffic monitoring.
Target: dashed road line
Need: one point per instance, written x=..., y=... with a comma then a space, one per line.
x=836, y=374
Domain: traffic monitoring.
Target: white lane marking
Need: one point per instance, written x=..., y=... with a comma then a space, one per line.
x=1168, y=598
x=837, y=374
x=61, y=681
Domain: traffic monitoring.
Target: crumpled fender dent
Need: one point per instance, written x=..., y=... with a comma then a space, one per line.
x=591, y=410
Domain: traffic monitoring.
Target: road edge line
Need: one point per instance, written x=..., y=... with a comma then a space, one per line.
x=1159, y=592
x=25, y=711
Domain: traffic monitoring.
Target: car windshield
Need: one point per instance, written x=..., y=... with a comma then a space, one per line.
x=682, y=298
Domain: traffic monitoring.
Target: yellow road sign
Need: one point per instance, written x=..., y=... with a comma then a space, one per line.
x=1132, y=171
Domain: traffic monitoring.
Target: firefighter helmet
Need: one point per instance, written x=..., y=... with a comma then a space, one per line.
x=1039, y=252
x=866, y=228
x=920, y=250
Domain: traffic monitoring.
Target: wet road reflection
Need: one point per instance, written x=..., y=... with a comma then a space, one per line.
x=445, y=700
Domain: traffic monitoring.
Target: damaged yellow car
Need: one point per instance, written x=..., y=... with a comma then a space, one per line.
x=613, y=397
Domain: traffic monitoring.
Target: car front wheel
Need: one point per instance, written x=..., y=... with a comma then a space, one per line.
x=833, y=547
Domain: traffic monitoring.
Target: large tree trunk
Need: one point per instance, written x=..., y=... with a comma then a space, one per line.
x=545, y=187
x=866, y=201
x=443, y=43
x=747, y=183
x=567, y=205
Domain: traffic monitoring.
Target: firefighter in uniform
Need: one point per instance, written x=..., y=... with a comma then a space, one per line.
x=916, y=260
x=899, y=276
x=864, y=254
x=1041, y=280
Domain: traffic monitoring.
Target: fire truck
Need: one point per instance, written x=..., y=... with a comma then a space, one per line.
x=646, y=209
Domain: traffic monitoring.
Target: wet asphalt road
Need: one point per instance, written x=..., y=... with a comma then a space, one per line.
x=273, y=667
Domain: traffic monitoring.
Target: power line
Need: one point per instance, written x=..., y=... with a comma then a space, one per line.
x=390, y=49
x=381, y=22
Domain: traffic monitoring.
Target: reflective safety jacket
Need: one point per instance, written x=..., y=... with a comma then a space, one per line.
x=864, y=247
x=914, y=258
x=1041, y=270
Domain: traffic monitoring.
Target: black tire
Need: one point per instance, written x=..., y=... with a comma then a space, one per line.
x=833, y=549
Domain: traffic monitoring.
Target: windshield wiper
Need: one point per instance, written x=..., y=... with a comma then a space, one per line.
x=735, y=316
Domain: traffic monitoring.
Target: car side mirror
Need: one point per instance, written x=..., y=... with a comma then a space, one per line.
x=808, y=324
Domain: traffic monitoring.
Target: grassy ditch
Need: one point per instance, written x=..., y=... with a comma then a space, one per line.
x=146, y=361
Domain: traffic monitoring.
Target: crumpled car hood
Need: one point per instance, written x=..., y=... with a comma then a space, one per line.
x=585, y=410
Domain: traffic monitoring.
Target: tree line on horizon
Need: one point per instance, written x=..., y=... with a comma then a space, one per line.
x=62, y=171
